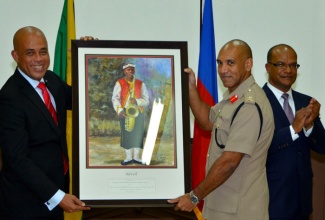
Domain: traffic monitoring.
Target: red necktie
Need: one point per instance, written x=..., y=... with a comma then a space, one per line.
x=47, y=101
x=49, y=105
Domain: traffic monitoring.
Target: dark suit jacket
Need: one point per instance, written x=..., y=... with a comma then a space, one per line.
x=288, y=163
x=32, y=146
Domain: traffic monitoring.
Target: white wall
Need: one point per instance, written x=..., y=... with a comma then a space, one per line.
x=15, y=14
x=159, y=20
x=261, y=24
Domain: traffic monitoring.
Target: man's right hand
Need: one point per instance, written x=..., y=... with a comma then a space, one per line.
x=199, y=108
x=71, y=203
x=300, y=118
x=191, y=75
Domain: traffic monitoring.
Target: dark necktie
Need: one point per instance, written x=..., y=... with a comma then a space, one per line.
x=286, y=107
x=50, y=107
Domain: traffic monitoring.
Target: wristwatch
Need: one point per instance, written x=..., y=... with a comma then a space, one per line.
x=194, y=199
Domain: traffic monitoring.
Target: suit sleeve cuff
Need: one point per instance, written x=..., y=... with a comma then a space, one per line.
x=55, y=200
x=308, y=132
x=293, y=134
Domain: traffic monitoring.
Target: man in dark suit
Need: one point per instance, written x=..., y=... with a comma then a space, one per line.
x=34, y=178
x=288, y=164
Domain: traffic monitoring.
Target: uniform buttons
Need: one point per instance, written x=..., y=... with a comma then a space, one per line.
x=299, y=153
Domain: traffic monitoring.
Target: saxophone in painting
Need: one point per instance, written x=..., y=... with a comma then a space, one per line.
x=132, y=111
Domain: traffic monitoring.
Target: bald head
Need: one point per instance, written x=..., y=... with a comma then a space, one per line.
x=24, y=32
x=234, y=63
x=31, y=52
x=282, y=66
x=242, y=47
x=280, y=48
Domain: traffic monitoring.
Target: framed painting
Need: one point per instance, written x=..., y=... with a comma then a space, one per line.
x=131, y=138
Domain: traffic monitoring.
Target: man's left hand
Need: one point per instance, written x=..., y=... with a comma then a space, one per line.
x=183, y=203
x=314, y=105
x=71, y=203
x=86, y=38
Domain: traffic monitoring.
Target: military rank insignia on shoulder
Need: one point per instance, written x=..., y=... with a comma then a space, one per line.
x=249, y=96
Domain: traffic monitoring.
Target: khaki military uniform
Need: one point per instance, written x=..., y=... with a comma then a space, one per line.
x=245, y=195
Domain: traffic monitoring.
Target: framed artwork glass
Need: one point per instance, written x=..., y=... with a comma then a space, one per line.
x=131, y=138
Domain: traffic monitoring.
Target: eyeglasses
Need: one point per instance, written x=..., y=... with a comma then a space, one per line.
x=293, y=66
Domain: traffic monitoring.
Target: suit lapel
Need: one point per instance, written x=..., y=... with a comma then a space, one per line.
x=299, y=104
x=54, y=89
x=32, y=95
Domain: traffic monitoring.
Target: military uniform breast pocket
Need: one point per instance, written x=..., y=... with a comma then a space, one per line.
x=221, y=130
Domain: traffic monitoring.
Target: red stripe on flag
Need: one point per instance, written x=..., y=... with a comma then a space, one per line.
x=205, y=93
x=201, y=142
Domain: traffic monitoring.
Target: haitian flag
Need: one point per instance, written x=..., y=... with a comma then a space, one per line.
x=207, y=88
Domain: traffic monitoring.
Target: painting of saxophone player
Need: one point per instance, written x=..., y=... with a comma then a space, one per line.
x=116, y=95
x=130, y=98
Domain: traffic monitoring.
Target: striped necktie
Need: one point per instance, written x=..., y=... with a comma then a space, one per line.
x=47, y=101
x=50, y=107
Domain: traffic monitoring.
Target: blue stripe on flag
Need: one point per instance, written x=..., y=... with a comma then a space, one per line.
x=207, y=60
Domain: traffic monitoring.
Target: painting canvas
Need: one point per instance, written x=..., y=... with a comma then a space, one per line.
x=156, y=72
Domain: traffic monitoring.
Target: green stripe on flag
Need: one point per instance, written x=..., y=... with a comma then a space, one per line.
x=60, y=56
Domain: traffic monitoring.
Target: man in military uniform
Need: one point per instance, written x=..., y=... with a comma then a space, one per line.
x=235, y=186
